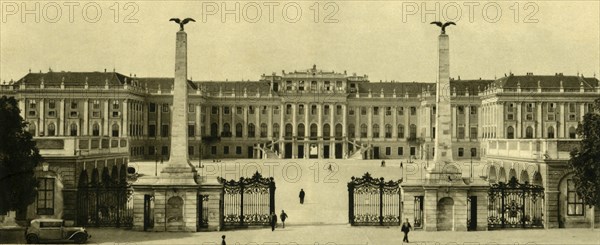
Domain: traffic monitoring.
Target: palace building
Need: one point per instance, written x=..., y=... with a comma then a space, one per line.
x=522, y=126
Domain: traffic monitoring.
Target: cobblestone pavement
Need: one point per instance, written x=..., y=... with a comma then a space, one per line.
x=345, y=234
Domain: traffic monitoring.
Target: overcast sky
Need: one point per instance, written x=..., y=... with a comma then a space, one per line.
x=387, y=40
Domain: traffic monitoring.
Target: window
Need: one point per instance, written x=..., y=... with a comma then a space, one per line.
x=263, y=130
x=32, y=129
x=529, y=117
x=191, y=108
x=413, y=110
x=165, y=151
x=73, y=129
x=351, y=131
x=288, y=130
x=151, y=130
x=313, y=85
x=190, y=150
x=363, y=130
x=313, y=109
x=473, y=110
x=338, y=110
x=461, y=133
x=572, y=108
x=152, y=107
x=301, y=86
x=276, y=110
x=238, y=130
x=238, y=110
x=388, y=150
x=550, y=117
x=326, y=110
x=96, y=130
x=572, y=132
x=473, y=133
x=275, y=130
x=238, y=150
x=53, y=114
x=250, y=109
x=214, y=110
x=338, y=130
x=413, y=151
x=529, y=133
x=473, y=152
x=45, y=196
x=388, y=111
x=226, y=130
x=52, y=104
x=351, y=111
x=400, y=151
x=214, y=130
x=363, y=111
x=375, y=110
x=164, y=131
x=575, y=203
x=73, y=104
x=165, y=107
x=288, y=109
x=413, y=131
x=264, y=110
x=400, y=131
x=191, y=130
x=550, y=133
x=32, y=104
x=401, y=111
x=551, y=107
x=433, y=110
x=313, y=130
x=151, y=150
x=288, y=85
x=433, y=132
x=213, y=150
x=51, y=129
x=388, y=131
x=115, y=130
x=510, y=116
x=461, y=152
x=375, y=130
x=73, y=113
x=115, y=105
x=251, y=130
x=31, y=113
x=461, y=110
x=300, y=109
x=301, y=130
x=225, y=150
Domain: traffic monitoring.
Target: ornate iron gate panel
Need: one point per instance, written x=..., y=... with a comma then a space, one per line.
x=108, y=203
x=248, y=202
x=515, y=205
x=374, y=201
x=202, y=211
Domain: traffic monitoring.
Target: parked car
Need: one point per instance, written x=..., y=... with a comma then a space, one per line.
x=54, y=230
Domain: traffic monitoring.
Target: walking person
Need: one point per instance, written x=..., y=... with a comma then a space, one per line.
x=273, y=221
x=302, y=194
x=283, y=216
x=383, y=163
x=406, y=228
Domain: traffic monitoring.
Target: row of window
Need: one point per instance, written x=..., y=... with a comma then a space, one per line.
x=529, y=133
x=73, y=129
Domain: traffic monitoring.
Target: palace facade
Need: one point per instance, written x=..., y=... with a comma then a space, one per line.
x=521, y=125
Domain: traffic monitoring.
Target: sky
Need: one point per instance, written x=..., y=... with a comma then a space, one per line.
x=387, y=40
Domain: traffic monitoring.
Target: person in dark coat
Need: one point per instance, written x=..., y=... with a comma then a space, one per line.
x=273, y=221
x=283, y=216
x=302, y=194
x=223, y=241
x=406, y=228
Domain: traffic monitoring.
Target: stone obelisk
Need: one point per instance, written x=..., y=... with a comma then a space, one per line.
x=178, y=170
x=443, y=127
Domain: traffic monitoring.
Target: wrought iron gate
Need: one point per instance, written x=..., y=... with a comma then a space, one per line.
x=202, y=205
x=515, y=205
x=374, y=201
x=107, y=202
x=248, y=202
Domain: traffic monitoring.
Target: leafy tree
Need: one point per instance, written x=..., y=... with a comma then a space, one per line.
x=585, y=161
x=18, y=157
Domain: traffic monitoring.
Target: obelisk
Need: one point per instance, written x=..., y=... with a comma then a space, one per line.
x=443, y=127
x=178, y=171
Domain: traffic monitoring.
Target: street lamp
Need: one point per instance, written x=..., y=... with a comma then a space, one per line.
x=472, y=154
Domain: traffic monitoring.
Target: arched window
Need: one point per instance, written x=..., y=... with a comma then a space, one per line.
x=363, y=130
x=572, y=133
x=300, y=130
x=238, y=130
x=73, y=129
x=524, y=177
x=413, y=131
x=51, y=129
x=263, y=130
x=313, y=130
x=338, y=130
x=388, y=131
x=226, y=130
x=251, y=130
x=31, y=128
x=275, y=130
x=351, y=131
x=96, y=129
x=214, y=130
x=510, y=132
x=550, y=132
x=115, y=130
x=289, y=130
x=326, y=131
x=400, y=131
x=529, y=133
x=375, y=130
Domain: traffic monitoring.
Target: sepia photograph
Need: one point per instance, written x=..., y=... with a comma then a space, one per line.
x=300, y=122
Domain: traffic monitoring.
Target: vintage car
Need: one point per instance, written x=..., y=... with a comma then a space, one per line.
x=54, y=230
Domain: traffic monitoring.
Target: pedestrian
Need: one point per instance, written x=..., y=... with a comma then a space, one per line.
x=283, y=216
x=302, y=194
x=223, y=242
x=273, y=221
x=383, y=163
x=406, y=228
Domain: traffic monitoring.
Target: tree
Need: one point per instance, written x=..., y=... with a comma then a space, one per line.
x=18, y=157
x=585, y=161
